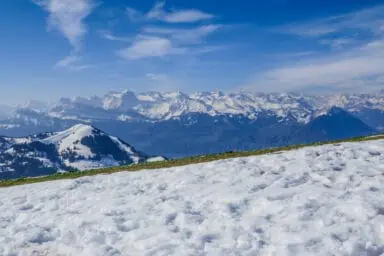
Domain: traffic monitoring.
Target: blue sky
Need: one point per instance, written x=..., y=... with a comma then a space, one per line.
x=55, y=48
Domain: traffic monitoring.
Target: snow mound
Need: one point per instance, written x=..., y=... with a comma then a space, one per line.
x=325, y=200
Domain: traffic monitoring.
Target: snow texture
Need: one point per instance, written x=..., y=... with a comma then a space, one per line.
x=326, y=200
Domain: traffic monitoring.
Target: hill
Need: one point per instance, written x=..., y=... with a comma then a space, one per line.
x=80, y=147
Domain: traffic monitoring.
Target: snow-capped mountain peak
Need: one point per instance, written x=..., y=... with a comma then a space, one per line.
x=125, y=100
x=80, y=147
x=160, y=106
x=71, y=138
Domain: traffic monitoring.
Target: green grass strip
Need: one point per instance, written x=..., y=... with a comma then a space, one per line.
x=173, y=163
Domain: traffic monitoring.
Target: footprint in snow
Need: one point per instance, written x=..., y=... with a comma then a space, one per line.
x=19, y=200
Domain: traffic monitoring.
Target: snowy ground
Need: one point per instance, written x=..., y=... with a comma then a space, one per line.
x=326, y=200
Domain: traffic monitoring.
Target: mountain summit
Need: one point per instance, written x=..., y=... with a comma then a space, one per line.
x=80, y=147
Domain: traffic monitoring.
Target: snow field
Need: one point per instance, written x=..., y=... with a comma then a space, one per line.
x=326, y=200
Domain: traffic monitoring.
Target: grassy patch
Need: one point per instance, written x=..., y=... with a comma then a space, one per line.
x=172, y=163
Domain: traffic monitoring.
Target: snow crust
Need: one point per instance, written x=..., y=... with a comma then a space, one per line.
x=326, y=200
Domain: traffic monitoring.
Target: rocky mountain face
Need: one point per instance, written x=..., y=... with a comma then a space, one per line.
x=80, y=147
x=178, y=124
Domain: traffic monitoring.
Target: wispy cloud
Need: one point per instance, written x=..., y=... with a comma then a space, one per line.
x=109, y=36
x=158, y=12
x=358, y=63
x=170, y=37
x=133, y=14
x=149, y=46
x=71, y=62
x=67, y=16
x=359, y=68
x=185, y=16
x=193, y=35
x=371, y=19
x=339, y=43
x=162, y=40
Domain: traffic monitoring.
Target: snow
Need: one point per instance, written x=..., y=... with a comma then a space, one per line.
x=156, y=159
x=135, y=158
x=69, y=139
x=84, y=165
x=325, y=200
x=21, y=140
x=124, y=118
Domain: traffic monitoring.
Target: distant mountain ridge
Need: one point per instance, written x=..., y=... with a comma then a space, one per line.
x=156, y=106
x=80, y=147
x=177, y=124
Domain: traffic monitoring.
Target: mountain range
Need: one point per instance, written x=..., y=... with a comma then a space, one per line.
x=177, y=124
x=80, y=147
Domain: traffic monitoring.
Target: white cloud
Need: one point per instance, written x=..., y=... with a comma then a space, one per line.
x=187, y=16
x=177, y=16
x=67, y=16
x=361, y=66
x=145, y=47
x=160, y=41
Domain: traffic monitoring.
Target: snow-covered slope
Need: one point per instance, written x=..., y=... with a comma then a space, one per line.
x=324, y=200
x=80, y=147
